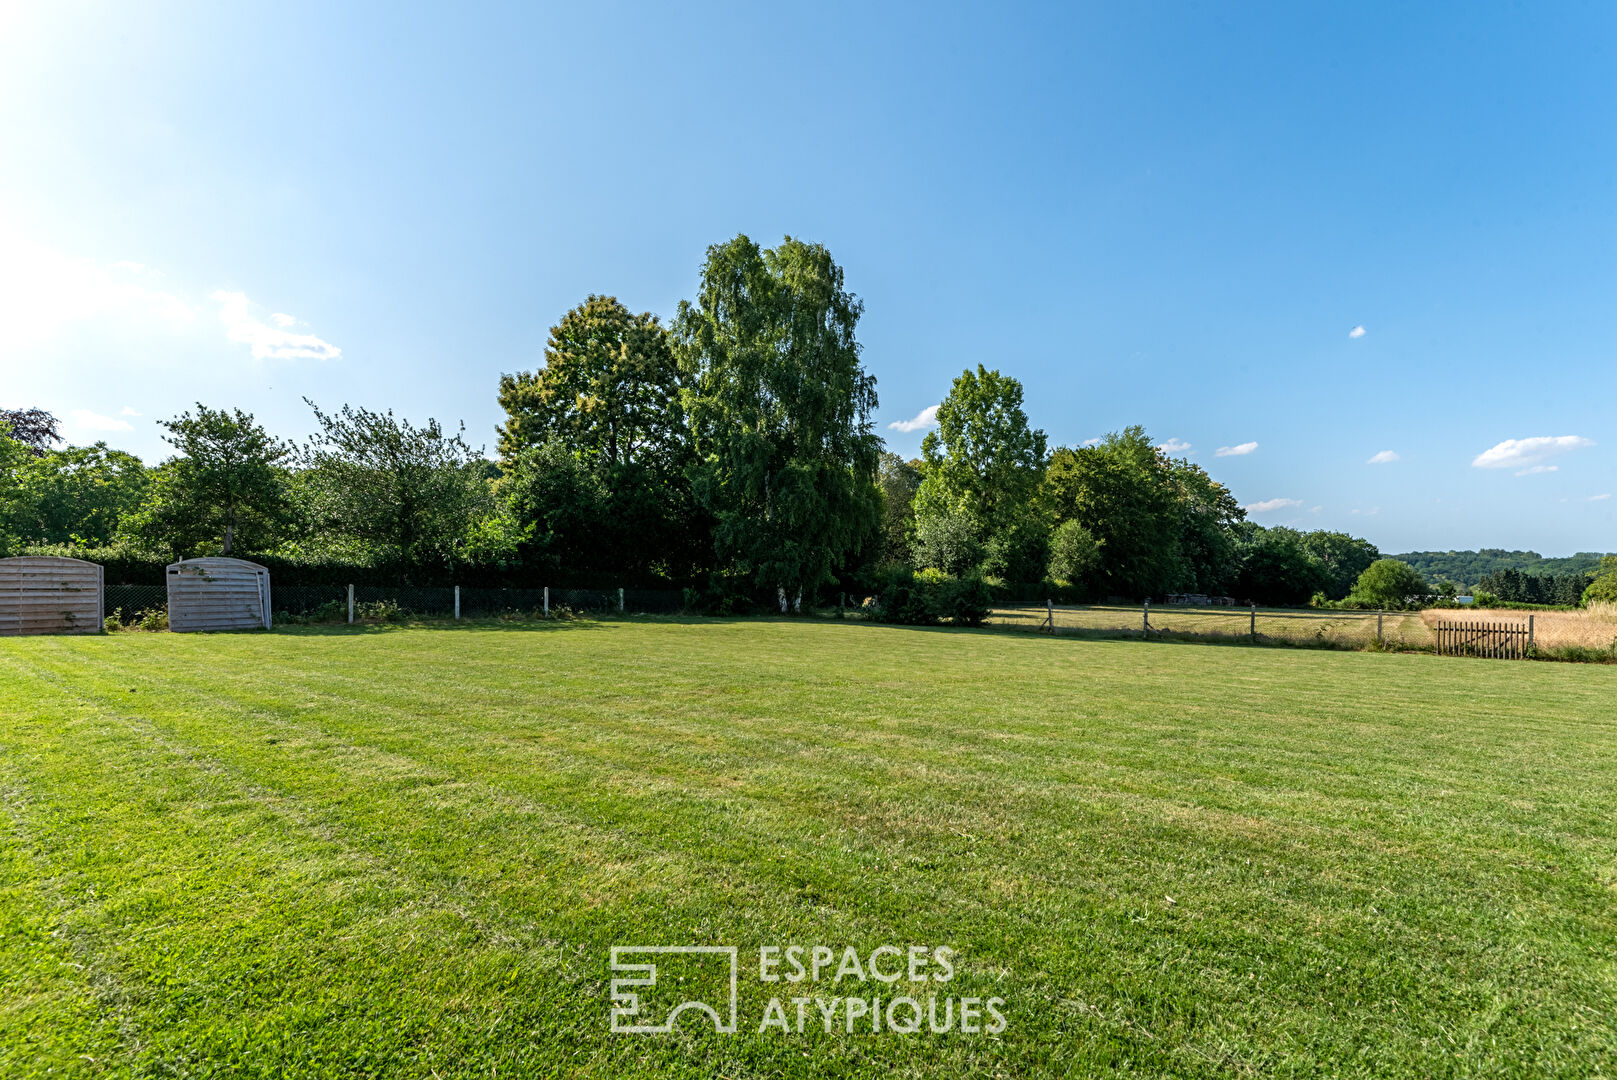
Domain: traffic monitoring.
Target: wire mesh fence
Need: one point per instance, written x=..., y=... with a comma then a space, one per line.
x=129, y=603
x=1323, y=628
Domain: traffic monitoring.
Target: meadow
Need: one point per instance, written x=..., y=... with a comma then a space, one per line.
x=408, y=851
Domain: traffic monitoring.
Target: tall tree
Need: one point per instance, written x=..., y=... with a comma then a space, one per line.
x=1344, y=558
x=608, y=389
x=1209, y=518
x=899, y=480
x=409, y=493
x=779, y=410
x=226, y=485
x=984, y=458
x=1122, y=490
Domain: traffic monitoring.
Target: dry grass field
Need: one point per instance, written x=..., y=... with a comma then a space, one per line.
x=1593, y=628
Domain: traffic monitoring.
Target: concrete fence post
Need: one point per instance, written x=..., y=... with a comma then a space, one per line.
x=547, y=601
x=457, y=601
x=350, y=603
x=620, y=601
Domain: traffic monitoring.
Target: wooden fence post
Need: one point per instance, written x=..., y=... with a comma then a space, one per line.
x=350, y=603
x=1253, y=628
x=547, y=601
x=1529, y=630
x=457, y=601
x=1050, y=614
x=1381, y=637
x=1145, y=626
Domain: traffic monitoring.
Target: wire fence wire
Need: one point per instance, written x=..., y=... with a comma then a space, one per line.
x=128, y=603
x=1329, y=629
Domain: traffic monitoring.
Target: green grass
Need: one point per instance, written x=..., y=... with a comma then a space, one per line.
x=407, y=852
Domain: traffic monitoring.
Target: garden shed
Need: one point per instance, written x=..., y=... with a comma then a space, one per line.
x=218, y=594
x=44, y=594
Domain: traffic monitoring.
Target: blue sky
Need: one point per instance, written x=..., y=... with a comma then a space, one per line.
x=1171, y=215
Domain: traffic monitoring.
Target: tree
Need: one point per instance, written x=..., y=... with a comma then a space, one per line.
x=1276, y=567
x=77, y=495
x=950, y=539
x=1344, y=558
x=226, y=485
x=609, y=389
x=779, y=409
x=563, y=507
x=1074, y=552
x=1208, y=528
x=898, y=480
x=1122, y=490
x=409, y=493
x=34, y=428
x=1389, y=583
x=1603, y=589
x=13, y=455
x=983, y=459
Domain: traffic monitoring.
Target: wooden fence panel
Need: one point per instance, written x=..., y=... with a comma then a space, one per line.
x=42, y=594
x=1495, y=640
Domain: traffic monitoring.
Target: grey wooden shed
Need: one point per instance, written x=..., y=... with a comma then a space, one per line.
x=218, y=594
x=45, y=594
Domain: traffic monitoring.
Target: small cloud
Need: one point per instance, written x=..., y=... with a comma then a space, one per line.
x=1237, y=450
x=1384, y=457
x=1538, y=469
x=927, y=417
x=1600, y=498
x=85, y=420
x=283, y=320
x=1267, y=505
x=127, y=411
x=1356, y=333
x=1174, y=446
x=1315, y=509
x=268, y=342
x=1521, y=453
x=1096, y=441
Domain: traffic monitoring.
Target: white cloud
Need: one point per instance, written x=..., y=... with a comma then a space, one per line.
x=1235, y=451
x=268, y=342
x=1356, y=333
x=1267, y=505
x=1538, y=469
x=283, y=320
x=927, y=417
x=1096, y=441
x=1174, y=446
x=1521, y=453
x=85, y=420
x=1383, y=457
x=1600, y=498
x=127, y=411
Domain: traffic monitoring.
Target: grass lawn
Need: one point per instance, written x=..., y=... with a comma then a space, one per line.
x=408, y=852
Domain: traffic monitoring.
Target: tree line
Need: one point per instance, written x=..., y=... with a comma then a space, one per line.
x=732, y=449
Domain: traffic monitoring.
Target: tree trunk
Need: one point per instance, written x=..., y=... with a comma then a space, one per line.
x=797, y=605
x=780, y=590
x=230, y=532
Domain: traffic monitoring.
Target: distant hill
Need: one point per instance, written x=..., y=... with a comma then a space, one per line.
x=1470, y=567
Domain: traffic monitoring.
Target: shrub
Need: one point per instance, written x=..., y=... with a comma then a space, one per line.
x=931, y=597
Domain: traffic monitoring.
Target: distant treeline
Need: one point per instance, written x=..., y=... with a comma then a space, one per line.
x=1513, y=586
x=1470, y=567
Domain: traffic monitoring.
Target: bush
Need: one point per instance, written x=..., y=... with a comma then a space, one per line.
x=931, y=597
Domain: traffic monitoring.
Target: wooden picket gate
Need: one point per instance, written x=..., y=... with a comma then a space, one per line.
x=1501, y=641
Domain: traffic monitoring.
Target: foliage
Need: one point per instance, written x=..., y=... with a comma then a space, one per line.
x=1603, y=589
x=1514, y=586
x=79, y=495
x=563, y=505
x=36, y=429
x=1343, y=557
x=608, y=390
x=1074, y=552
x=1470, y=567
x=1276, y=567
x=225, y=487
x=408, y=491
x=949, y=539
x=1209, y=521
x=983, y=459
x=1391, y=584
x=931, y=597
x=779, y=411
x=898, y=480
x=1122, y=491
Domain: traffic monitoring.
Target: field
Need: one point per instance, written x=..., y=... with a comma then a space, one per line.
x=409, y=851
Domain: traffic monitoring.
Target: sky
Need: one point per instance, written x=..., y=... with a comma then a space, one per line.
x=1358, y=262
